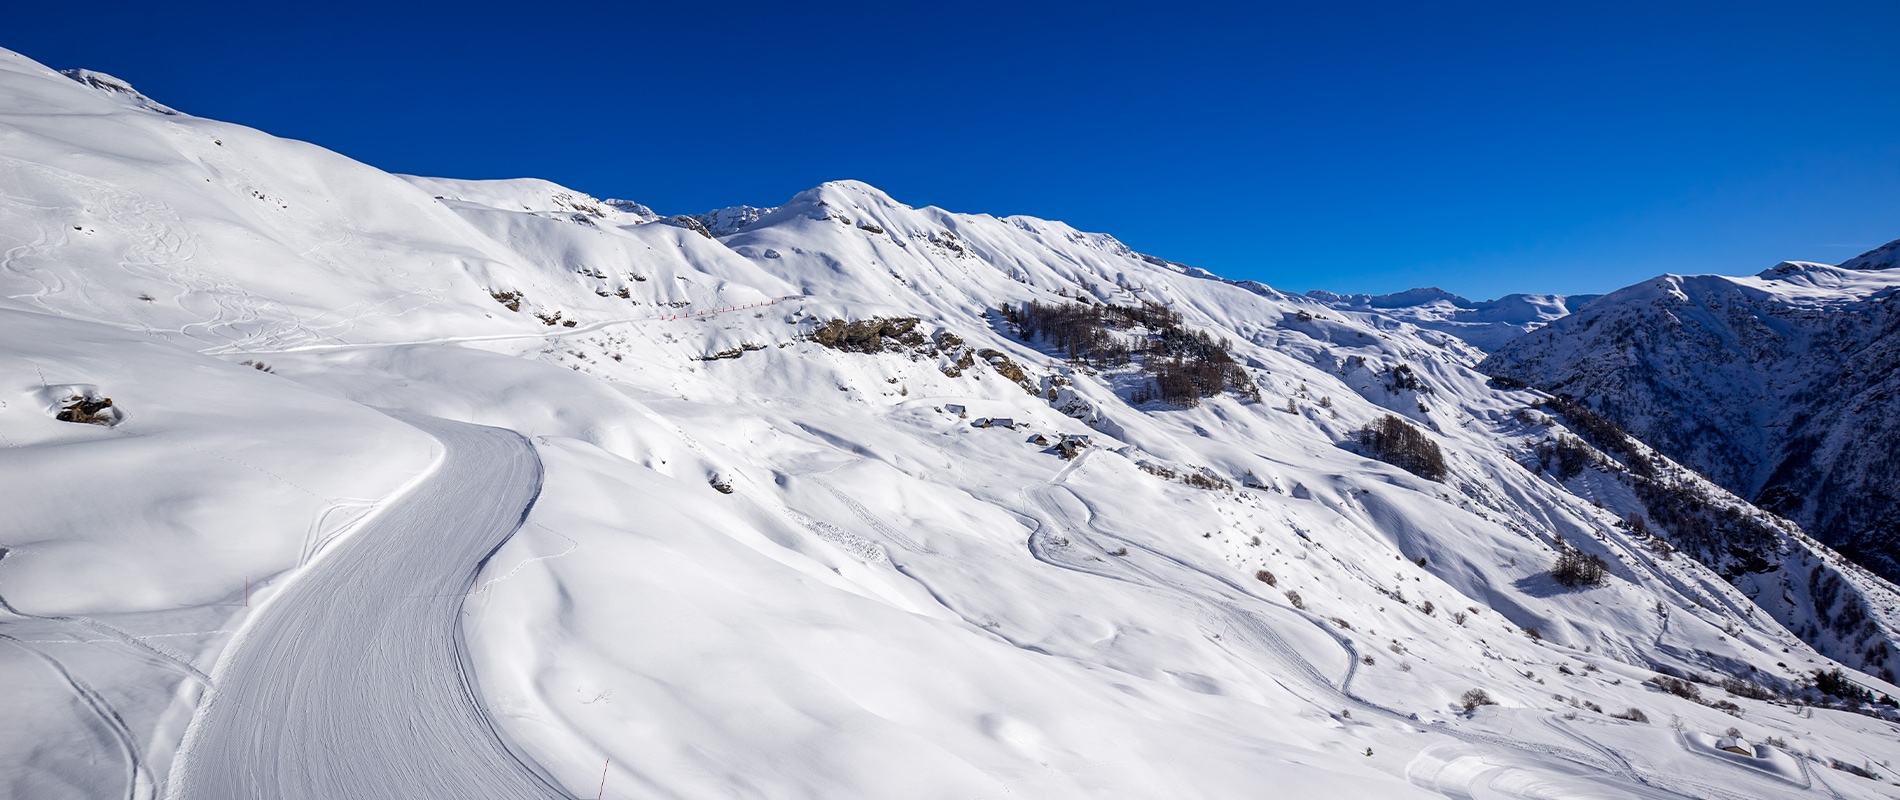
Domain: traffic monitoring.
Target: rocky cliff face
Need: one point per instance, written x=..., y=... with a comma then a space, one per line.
x=1783, y=387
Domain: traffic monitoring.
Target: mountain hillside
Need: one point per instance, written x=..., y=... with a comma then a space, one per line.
x=325, y=482
x=1485, y=324
x=1779, y=386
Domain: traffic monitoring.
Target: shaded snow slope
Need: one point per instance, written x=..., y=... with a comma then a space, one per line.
x=1486, y=324
x=1777, y=386
x=764, y=566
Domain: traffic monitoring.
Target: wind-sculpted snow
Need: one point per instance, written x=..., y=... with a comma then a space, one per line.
x=949, y=561
x=354, y=680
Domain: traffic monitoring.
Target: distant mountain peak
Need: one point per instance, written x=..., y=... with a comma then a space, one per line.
x=731, y=219
x=1886, y=256
x=1484, y=324
x=848, y=193
x=1408, y=298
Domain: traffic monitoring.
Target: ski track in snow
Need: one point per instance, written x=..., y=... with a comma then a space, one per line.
x=355, y=680
x=868, y=518
x=1226, y=603
x=138, y=778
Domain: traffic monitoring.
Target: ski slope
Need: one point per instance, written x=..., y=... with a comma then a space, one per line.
x=740, y=563
x=354, y=681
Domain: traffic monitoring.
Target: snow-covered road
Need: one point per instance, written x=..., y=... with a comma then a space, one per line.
x=354, y=682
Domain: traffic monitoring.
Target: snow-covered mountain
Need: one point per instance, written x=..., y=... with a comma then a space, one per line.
x=1485, y=324
x=411, y=486
x=1779, y=386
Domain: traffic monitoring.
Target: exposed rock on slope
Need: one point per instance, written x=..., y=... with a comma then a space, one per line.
x=808, y=525
x=730, y=220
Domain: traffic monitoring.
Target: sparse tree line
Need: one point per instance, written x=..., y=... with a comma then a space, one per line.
x=1396, y=442
x=1721, y=535
x=1716, y=532
x=1182, y=365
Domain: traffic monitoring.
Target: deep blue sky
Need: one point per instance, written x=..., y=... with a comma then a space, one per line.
x=1485, y=149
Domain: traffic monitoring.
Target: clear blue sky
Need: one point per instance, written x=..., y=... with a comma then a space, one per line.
x=1486, y=149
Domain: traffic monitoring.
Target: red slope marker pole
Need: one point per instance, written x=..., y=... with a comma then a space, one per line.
x=603, y=780
x=247, y=591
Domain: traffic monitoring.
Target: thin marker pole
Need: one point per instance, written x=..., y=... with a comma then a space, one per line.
x=603, y=780
x=247, y=591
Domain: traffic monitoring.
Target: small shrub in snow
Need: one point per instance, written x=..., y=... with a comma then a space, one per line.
x=1474, y=698
x=1342, y=623
x=1211, y=483
x=1294, y=598
x=1404, y=378
x=1677, y=687
x=1742, y=688
x=1634, y=714
x=1853, y=770
x=1266, y=577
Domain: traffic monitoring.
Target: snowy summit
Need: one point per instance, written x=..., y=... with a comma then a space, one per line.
x=325, y=482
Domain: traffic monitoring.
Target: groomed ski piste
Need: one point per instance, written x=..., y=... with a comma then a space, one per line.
x=432, y=488
x=329, y=689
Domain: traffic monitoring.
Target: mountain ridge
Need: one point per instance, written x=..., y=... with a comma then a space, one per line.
x=1771, y=384
x=1486, y=324
x=856, y=500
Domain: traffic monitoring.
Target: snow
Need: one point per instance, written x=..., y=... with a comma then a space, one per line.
x=1486, y=324
x=790, y=573
x=353, y=681
x=1774, y=385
